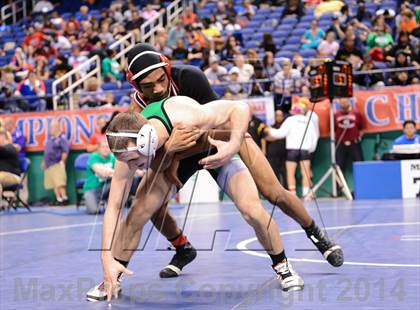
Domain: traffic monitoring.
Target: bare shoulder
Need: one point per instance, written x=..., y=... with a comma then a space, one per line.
x=183, y=110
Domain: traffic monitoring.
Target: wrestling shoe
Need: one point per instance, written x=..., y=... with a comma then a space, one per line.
x=98, y=292
x=332, y=252
x=183, y=256
x=288, y=278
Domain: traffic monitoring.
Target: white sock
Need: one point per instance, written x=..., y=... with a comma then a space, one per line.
x=305, y=191
x=65, y=198
x=60, y=199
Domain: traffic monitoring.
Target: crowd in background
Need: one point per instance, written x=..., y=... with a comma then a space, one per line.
x=54, y=44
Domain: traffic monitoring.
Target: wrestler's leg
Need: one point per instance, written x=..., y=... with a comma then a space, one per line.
x=269, y=185
x=289, y=203
x=243, y=192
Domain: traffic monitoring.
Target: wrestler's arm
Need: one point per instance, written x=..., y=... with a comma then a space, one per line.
x=233, y=115
x=120, y=187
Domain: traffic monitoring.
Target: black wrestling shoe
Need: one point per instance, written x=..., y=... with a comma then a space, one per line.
x=183, y=256
x=331, y=251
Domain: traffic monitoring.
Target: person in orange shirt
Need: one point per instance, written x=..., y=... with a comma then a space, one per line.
x=408, y=22
x=189, y=17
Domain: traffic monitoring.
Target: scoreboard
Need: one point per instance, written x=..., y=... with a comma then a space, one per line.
x=332, y=79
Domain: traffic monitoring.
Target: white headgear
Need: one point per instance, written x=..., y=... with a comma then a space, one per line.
x=146, y=140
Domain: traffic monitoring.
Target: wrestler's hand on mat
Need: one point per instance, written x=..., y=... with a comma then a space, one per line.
x=225, y=151
x=112, y=269
x=182, y=138
x=172, y=174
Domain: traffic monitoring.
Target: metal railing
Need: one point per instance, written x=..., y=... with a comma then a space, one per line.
x=13, y=9
x=122, y=46
x=149, y=29
x=72, y=85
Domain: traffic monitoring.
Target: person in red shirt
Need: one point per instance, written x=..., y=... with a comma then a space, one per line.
x=97, y=136
x=349, y=126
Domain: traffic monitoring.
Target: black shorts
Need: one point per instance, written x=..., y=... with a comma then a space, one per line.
x=188, y=166
x=298, y=155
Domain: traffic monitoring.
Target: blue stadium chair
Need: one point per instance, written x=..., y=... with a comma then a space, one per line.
x=3, y=61
x=284, y=54
x=327, y=16
x=291, y=47
x=258, y=17
x=109, y=86
x=278, y=9
x=252, y=44
x=80, y=164
x=289, y=21
x=264, y=11
x=307, y=18
x=293, y=40
x=284, y=28
x=257, y=36
x=298, y=32
x=308, y=53
x=66, y=16
x=253, y=25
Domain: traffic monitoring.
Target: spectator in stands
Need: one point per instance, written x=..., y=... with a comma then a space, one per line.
x=286, y=82
x=230, y=49
x=248, y=9
x=368, y=80
x=406, y=47
x=349, y=50
x=276, y=151
x=34, y=38
x=268, y=44
x=294, y=8
x=134, y=23
x=212, y=33
x=329, y=46
x=92, y=95
x=362, y=14
x=245, y=70
x=312, y=38
x=19, y=62
x=161, y=42
x=100, y=168
x=221, y=13
x=379, y=42
x=403, y=77
x=197, y=55
x=349, y=125
x=105, y=35
x=41, y=69
x=232, y=25
x=189, y=17
x=34, y=90
x=180, y=52
x=234, y=90
x=409, y=136
x=111, y=71
x=407, y=23
x=148, y=12
x=298, y=63
x=176, y=33
x=300, y=138
x=77, y=58
x=9, y=163
x=55, y=156
x=344, y=16
x=215, y=73
x=259, y=88
x=98, y=135
x=18, y=139
x=270, y=66
x=253, y=57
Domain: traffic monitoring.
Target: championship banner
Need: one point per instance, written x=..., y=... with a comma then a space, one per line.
x=263, y=108
x=77, y=125
x=383, y=110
